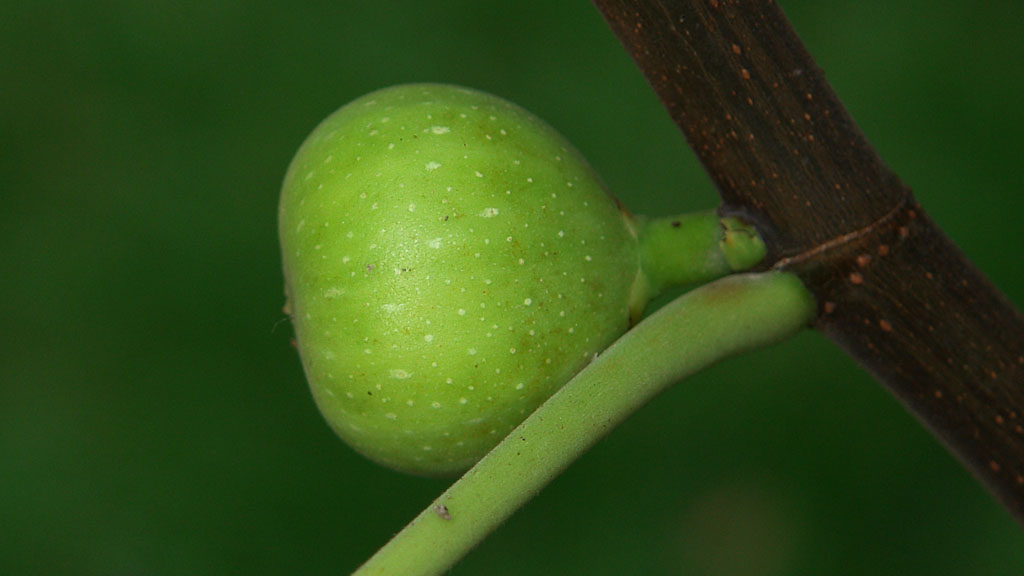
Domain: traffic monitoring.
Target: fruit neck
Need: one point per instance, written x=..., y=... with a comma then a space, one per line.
x=688, y=250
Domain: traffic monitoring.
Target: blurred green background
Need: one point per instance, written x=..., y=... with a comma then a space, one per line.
x=155, y=420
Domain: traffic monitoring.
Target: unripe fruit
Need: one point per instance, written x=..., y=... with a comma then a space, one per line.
x=450, y=261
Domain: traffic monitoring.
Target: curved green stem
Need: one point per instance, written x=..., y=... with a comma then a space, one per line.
x=727, y=317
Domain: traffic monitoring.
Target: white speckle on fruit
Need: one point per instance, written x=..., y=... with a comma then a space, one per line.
x=561, y=233
x=440, y=129
x=391, y=416
x=367, y=351
x=587, y=258
x=435, y=243
x=530, y=180
x=521, y=261
x=435, y=404
x=471, y=351
x=528, y=301
x=345, y=259
x=519, y=386
x=400, y=374
x=428, y=338
x=462, y=311
x=332, y=293
x=412, y=207
x=511, y=350
x=478, y=174
x=431, y=166
x=463, y=400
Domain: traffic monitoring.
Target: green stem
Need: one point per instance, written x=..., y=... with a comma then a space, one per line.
x=690, y=249
x=724, y=318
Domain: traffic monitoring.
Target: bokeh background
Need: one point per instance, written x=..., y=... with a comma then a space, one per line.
x=154, y=418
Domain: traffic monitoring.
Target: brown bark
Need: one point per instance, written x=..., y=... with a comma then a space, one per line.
x=893, y=290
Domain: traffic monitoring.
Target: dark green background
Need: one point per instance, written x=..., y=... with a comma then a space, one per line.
x=155, y=420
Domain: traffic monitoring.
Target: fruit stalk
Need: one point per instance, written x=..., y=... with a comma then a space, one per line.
x=727, y=317
x=692, y=249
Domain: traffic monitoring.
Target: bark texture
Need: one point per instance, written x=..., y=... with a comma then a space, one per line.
x=892, y=289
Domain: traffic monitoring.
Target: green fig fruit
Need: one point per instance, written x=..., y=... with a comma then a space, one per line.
x=450, y=261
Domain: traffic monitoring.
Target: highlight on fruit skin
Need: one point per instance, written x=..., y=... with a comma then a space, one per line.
x=450, y=261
